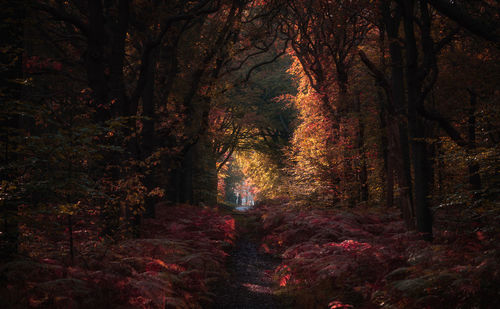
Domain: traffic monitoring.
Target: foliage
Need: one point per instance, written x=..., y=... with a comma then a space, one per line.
x=109, y=107
x=266, y=122
x=367, y=259
x=172, y=264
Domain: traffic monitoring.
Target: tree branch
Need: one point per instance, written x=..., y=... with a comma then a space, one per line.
x=63, y=16
x=268, y=61
x=458, y=14
x=444, y=124
x=380, y=78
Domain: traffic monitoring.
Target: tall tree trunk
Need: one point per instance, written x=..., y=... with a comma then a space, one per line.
x=388, y=168
x=363, y=173
x=387, y=175
x=14, y=18
x=439, y=171
x=186, y=178
x=397, y=127
x=94, y=59
x=416, y=126
x=343, y=103
x=148, y=135
x=119, y=99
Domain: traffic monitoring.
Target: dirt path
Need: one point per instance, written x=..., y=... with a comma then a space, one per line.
x=250, y=284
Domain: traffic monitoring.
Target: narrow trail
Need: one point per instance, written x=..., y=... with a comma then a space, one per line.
x=250, y=284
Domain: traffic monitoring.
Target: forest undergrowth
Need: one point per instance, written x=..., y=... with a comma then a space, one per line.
x=171, y=265
x=350, y=258
x=367, y=259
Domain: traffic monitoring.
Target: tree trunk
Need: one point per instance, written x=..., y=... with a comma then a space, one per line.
x=416, y=126
x=14, y=18
x=363, y=173
x=397, y=127
x=148, y=141
x=388, y=168
x=95, y=60
x=120, y=104
x=186, y=178
x=343, y=104
x=439, y=171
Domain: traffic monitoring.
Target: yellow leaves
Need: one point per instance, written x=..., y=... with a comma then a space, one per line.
x=6, y=186
x=69, y=208
x=158, y=192
x=263, y=174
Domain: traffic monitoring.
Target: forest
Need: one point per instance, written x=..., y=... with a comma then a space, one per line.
x=250, y=154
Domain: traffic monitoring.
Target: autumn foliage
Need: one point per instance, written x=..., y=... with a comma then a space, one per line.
x=368, y=260
x=172, y=265
x=376, y=122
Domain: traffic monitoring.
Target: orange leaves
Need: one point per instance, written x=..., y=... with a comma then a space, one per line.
x=284, y=279
x=158, y=265
x=284, y=274
x=318, y=146
x=229, y=227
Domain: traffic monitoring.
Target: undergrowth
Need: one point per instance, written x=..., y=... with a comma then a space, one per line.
x=367, y=259
x=171, y=265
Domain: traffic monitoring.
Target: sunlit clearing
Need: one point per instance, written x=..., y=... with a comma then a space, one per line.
x=235, y=187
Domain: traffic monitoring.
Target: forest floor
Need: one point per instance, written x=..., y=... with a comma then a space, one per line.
x=250, y=283
x=271, y=256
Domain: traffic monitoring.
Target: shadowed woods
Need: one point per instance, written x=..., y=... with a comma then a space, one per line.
x=361, y=137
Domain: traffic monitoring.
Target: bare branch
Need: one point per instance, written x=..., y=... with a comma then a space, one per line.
x=268, y=61
x=63, y=16
x=452, y=10
x=444, y=124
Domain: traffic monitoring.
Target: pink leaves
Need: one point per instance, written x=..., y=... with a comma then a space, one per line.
x=370, y=261
x=183, y=250
x=350, y=245
x=330, y=250
x=229, y=228
x=175, y=227
x=338, y=305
